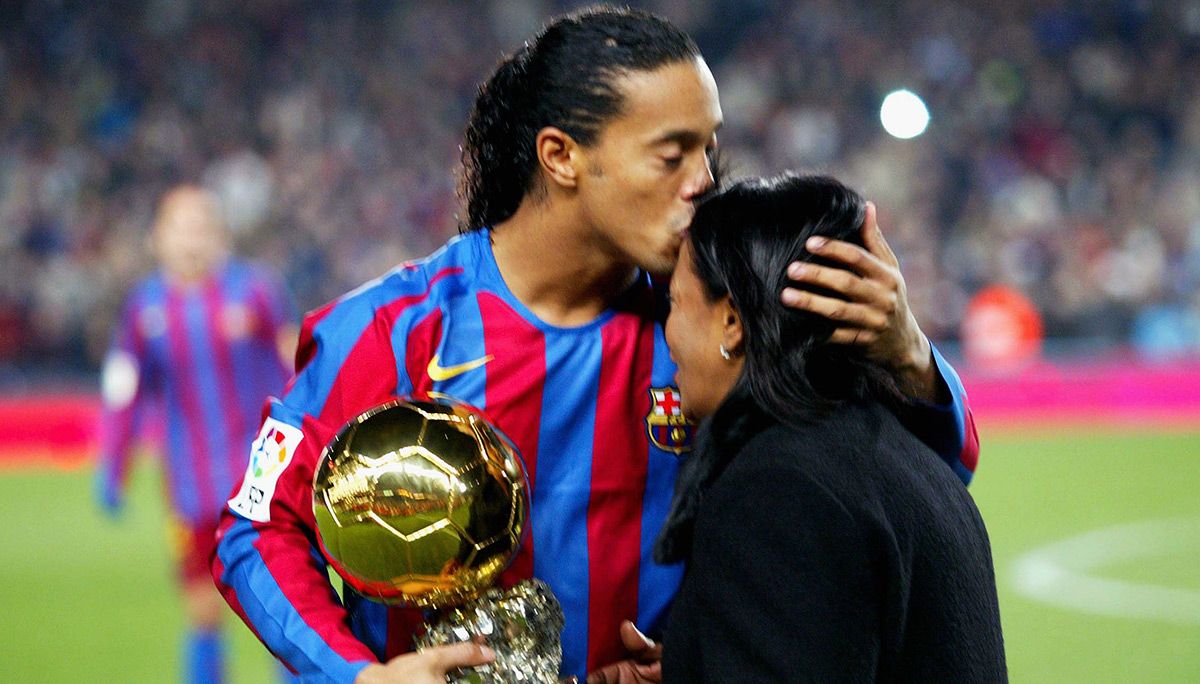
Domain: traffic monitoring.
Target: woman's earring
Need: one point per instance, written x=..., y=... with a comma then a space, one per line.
x=724, y=352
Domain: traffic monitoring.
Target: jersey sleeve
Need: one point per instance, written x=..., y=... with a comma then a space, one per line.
x=123, y=393
x=949, y=428
x=267, y=563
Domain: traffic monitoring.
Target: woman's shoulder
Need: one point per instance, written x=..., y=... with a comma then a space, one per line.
x=841, y=438
x=817, y=461
x=774, y=478
x=856, y=455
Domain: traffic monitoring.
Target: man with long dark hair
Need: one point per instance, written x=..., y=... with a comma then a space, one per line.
x=584, y=155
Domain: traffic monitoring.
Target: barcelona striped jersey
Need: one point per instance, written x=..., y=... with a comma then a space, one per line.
x=207, y=355
x=593, y=410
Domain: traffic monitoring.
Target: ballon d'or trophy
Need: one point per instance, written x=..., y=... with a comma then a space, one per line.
x=422, y=503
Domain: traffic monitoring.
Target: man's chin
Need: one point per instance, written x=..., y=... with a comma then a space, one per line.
x=663, y=262
x=660, y=266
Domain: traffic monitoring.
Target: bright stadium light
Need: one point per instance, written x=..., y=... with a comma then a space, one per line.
x=903, y=114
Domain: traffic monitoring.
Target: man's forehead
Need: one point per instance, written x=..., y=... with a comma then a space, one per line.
x=676, y=102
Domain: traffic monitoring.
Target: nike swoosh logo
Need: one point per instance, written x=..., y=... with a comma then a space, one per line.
x=439, y=373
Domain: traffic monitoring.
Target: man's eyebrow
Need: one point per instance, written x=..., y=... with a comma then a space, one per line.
x=684, y=137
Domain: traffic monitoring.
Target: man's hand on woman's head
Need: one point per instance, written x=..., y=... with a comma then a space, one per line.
x=871, y=309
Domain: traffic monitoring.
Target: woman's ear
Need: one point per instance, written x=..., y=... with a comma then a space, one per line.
x=557, y=154
x=732, y=337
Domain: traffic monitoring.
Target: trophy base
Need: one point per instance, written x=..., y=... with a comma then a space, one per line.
x=523, y=625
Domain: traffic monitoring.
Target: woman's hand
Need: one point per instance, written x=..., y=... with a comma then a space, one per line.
x=426, y=667
x=644, y=665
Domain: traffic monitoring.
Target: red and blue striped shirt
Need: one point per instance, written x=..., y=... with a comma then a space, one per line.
x=592, y=409
x=207, y=353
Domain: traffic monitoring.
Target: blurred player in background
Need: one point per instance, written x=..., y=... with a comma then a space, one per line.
x=584, y=156
x=210, y=337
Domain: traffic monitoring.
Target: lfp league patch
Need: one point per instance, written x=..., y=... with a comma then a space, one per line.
x=269, y=456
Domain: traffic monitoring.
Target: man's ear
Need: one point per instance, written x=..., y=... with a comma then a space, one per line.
x=559, y=156
x=732, y=335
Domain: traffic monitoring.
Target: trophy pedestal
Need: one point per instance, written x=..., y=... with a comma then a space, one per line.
x=523, y=625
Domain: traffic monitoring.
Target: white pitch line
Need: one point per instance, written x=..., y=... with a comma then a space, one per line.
x=1058, y=573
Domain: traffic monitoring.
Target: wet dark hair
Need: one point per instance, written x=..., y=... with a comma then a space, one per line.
x=564, y=78
x=742, y=240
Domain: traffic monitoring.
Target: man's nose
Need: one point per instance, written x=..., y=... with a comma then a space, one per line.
x=702, y=182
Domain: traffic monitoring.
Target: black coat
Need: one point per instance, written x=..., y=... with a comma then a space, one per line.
x=841, y=551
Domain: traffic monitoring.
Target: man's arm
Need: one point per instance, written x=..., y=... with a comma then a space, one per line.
x=122, y=394
x=947, y=427
x=267, y=564
x=872, y=312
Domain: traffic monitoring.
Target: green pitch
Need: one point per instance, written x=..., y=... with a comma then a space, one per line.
x=1034, y=490
x=89, y=599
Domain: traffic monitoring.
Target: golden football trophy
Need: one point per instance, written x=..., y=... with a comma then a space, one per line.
x=423, y=503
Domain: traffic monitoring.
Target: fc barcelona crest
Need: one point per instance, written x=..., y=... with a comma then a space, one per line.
x=667, y=427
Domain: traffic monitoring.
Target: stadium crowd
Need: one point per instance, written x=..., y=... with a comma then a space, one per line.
x=1063, y=157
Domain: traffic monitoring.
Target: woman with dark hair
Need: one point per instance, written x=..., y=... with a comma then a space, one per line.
x=824, y=541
